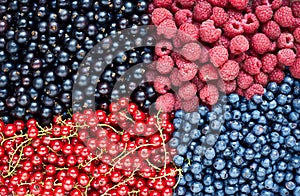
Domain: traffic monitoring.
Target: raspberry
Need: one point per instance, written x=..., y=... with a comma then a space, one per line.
x=233, y=28
x=204, y=55
x=296, y=34
x=261, y=43
x=189, y=32
x=219, y=16
x=296, y=8
x=163, y=48
x=208, y=72
x=162, y=84
x=239, y=44
x=261, y=78
x=188, y=71
x=160, y=14
x=190, y=105
x=269, y=62
x=230, y=70
x=264, y=13
x=239, y=58
x=244, y=80
x=209, y=94
x=240, y=92
x=151, y=75
x=199, y=84
x=250, y=23
x=239, y=4
x=255, y=89
x=183, y=16
x=223, y=41
x=165, y=103
x=276, y=76
x=284, y=16
x=227, y=86
x=285, y=40
x=175, y=77
x=286, y=57
x=295, y=69
x=187, y=91
x=167, y=28
x=164, y=64
x=234, y=14
x=186, y=3
x=275, y=4
x=208, y=32
x=202, y=11
x=252, y=65
x=271, y=29
x=220, y=3
x=191, y=51
x=218, y=55
x=162, y=3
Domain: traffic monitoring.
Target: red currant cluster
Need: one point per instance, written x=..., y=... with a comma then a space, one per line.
x=123, y=152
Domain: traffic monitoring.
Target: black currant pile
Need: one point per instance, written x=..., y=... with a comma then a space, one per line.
x=42, y=44
x=256, y=151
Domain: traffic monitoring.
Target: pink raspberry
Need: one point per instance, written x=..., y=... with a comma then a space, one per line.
x=285, y=40
x=261, y=78
x=202, y=11
x=252, y=65
x=239, y=4
x=239, y=44
x=286, y=57
x=204, y=55
x=239, y=58
x=162, y=84
x=209, y=94
x=250, y=23
x=240, y=92
x=219, y=3
x=219, y=16
x=223, y=41
x=191, y=51
x=208, y=72
x=199, y=84
x=295, y=69
x=187, y=4
x=183, y=16
x=255, y=89
x=151, y=75
x=187, y=91
x=284, y=16
x=218, y=55
x=234, y=14
x=175, y=77
x=164, y=64
x=175, y=7
x=261, y=43
x=188, y=71
x=162, y=3
x=227, y=86
x=188, y=32
x=165, y=103
x=167, y=28
x=163, y=48
x=296, y=8
x=230, y=70
x=296, y=34
x=233, y=28
x=160, y=14
x=275, y=4
x=244, y=80
x=276, y=76
x=264, y=13
x=190, y=105
x=208, y=32
x=269, y=62
x=271, y=29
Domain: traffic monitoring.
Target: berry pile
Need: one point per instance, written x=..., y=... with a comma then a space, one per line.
x=42, y=44
x=244, y=147
x=89, y=154
x=244, y=44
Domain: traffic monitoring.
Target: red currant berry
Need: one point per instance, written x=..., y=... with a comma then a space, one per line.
x=32, y=132
x=10, y=130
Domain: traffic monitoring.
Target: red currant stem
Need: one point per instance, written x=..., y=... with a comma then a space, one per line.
x=12, y=138
x=179, y=177
x=121, y=183
x=162, y=137
x=69, y=111
x=133, y=192
x=152, y=165
x=16, y=165
x=91, y=160
x=88, y=185
x=128, y=118
x=168, y=174
x=105, y=125
x=75, y=134
x=120, y=155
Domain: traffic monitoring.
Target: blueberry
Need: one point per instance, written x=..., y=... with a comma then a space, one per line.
x=273, y=87
x=182, y=149
x=269, y=96
x=246, y=117
x=236, y=115
x=285, y=88
x=281, y=99
x=195, y=134
x=233, y=98
x=181, y=190
x=257, y=99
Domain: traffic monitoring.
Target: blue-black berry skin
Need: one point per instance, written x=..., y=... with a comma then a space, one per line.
x=255, y=148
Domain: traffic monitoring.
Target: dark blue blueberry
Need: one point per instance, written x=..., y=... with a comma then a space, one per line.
x=236, y=115
x=195, y=134
x=257, y=99
x=179, y=113
x=264, y=106
x=188, y=177
x=252, y=105
x=182, y=149
x=262, y=120
x=178, y=160
x=281, y=99
x=236, y=125
x=194, y=118
x=203, y=110
x=285, y=88
x=211, y=116
x=174, y=142
x=227, y=116
x=269, y=96
x=259, y=129
x=233, y=98
x=273, y=87
x=246, y=117
x=181, y=190
x=296, y=104
x=255, y=114
x=243, y=107
x=272, y=105
x=196, y=187
x=279, y=109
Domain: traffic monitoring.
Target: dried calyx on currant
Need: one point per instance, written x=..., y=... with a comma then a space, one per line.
x=121, y=152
